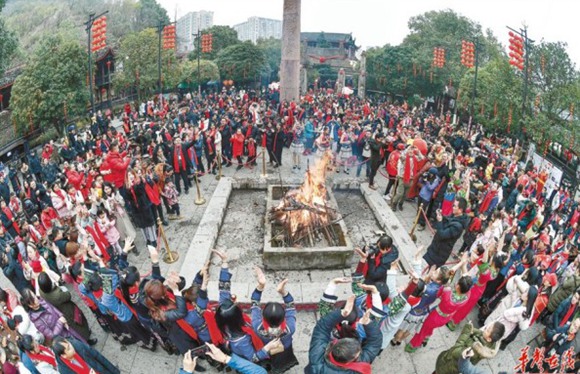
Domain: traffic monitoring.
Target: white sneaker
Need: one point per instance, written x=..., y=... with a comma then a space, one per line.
x=387, y=197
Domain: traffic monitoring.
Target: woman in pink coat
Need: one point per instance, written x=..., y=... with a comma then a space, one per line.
x=62, y=202
x=108, y=229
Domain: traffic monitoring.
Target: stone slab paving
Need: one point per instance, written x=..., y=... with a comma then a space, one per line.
x=310, y=285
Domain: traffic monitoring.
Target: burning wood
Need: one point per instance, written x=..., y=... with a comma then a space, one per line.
x=303, y=212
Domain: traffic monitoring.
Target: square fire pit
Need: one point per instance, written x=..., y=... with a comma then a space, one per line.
x=317, y=256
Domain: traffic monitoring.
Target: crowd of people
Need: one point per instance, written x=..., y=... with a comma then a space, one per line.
x=71, y=212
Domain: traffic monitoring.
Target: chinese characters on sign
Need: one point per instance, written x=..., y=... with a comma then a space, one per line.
x=541, y=362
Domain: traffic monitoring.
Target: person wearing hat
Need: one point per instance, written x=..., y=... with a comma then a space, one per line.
x=549, y=283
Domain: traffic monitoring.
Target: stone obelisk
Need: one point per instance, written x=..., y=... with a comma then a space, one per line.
x=362, y=78
x=290, y=64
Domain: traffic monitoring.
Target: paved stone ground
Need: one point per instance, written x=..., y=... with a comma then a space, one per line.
x=241, y=228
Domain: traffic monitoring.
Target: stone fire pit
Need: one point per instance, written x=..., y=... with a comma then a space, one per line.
x=319, y=256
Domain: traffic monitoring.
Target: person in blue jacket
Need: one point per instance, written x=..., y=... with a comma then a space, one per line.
x=275, y=322
x=234, y=362
x=238, y=334
x=345, y=355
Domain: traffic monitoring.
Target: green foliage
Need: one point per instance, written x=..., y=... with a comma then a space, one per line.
x=137, y=62
x=8, y=46
x=498, y=88
x=208, y=71
x=30, y=20
x=54, y=77
x=222, y=37
x=150, y=13
x=241, y=62
x=554, y=86
x=407, y=68
x=272, y=49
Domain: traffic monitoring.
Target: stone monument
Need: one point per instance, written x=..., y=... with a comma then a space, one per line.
x=362, y=78
x=290, y=64
x=303, y=80
x=340, y=81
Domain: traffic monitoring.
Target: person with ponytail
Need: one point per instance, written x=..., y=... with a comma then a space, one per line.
x=398, y=308
x=124, y=324
x=275, y=322
x=236, y=327
x=413, y=321
x=75, y=357
x=167, y=308
x=451, y=300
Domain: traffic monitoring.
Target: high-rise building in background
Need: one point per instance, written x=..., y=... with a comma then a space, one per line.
x=259, y=28
x=189, y=25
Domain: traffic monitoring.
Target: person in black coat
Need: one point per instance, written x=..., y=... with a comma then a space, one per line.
x=345, y=355
x=379, y=258
x=73, y=356
x=377, y=150
x=49, y=171
x=447, y=231
x=179, y=159
x=140, y=207
x=278, y=141
x=4, y=189
x=35, y=168
x=12, y=269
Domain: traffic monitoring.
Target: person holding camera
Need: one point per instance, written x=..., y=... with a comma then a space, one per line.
x=377, y=259
x=428, y=182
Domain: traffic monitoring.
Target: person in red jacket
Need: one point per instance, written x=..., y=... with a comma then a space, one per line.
x=238, y=147
x=118, y=164
x=392, y=163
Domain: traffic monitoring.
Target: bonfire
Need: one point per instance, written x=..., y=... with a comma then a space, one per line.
x=303, y=214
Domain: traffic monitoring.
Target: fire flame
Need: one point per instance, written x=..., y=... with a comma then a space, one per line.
x=303, y=211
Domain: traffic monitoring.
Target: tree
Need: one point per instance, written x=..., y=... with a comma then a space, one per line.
x=241, y=62
x=8, y=44
x=553, y=88
x=272, y=49
x=208, y=72
x=137, y=66
x=150, y=13
x=222, y=37
x=498, y=93
x=52, y=85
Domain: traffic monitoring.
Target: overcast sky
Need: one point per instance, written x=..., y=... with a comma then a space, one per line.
x=377, y=22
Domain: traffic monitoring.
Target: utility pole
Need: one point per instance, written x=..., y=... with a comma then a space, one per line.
x=160, y=27
x=527, y=46
x=198, y=40
x=88, y=28
x=474, y=92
